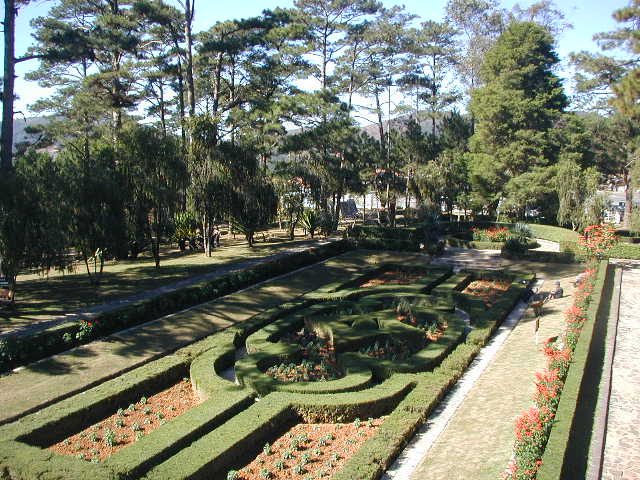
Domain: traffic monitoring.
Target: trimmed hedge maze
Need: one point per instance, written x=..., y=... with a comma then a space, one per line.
x=384, y=341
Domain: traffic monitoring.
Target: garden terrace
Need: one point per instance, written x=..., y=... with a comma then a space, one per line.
x=228, y=429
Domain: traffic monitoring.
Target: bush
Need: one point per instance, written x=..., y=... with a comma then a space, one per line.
x=514, y=247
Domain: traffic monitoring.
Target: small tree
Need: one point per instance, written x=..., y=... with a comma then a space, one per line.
x=254, y=205
x=34, y=221
x=156, y=174
x=94, y=191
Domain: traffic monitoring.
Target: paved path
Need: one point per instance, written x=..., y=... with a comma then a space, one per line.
x=478, y=440
x=470, y=258
x=94, y=310
x=547, y=245
x=60, y=376
x=622, y=444
x=414, y=453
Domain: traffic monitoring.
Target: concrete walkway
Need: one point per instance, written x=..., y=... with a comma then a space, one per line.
x=478, y=440
x=223, y=269
x=547, y=245
x=60, y=376
x=470, y=258
x=622, y=445
x=415, y=451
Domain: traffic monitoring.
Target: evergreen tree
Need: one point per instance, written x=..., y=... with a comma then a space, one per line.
x=95, y=195
x=155, y=173
x=516, y=110
x=90, y=48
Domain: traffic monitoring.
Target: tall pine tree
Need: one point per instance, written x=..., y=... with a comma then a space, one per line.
x=515, y=110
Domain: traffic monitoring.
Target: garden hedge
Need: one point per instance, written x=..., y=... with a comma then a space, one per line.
x=378, y=453
x=554, y=460
x=230, y=427
x=19, y=350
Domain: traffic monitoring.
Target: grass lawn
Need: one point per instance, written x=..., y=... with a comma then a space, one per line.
x=555, y=234
x=45, y=297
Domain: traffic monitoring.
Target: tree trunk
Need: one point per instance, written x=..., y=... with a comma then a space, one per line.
x=206, y=237
x=6, y=162
x=364, y=208
x=628, y=203
x=163, y=120
x=92, y=279
x=191, y=91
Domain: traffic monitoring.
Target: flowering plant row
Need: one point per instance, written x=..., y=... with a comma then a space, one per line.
x=534, y=426
x=597, y=240
x=492, y=234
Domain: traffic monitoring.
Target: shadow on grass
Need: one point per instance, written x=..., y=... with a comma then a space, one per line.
x=51, y=297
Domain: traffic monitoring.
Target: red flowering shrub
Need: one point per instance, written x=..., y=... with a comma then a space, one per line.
x=491, y=234
x=533, y=427
x=597, y=240
x=548, y=389
x=532, y=431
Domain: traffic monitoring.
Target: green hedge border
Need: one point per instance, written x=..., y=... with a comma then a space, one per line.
x=378, y=453
x=553, y=460
x=218, y=414
x=19, y=350
x=264, y=352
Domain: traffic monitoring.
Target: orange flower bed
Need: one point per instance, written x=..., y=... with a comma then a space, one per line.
x=124, y=427
x=309, y=451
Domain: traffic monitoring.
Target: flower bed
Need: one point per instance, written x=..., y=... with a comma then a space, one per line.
x=129, y=424
x=534, y=426
x=488, y=290
x=318, y=359
x=397, y=277
x=491, y=234
x=308, y=451
x=388, y=349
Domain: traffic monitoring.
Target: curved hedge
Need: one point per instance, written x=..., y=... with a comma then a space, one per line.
x=230, y=426
x=16, y=350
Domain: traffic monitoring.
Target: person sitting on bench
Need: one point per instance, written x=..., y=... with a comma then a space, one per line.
x=557, y=291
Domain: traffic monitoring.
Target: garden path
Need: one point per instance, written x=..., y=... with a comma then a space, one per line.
x=622, y=444
x=60, y=376
x=477, y=442
x=547, y=245
x=470, y=258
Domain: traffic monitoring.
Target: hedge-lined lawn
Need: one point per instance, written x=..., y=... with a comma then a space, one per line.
x=40, y=383
x=555, y=234
x=41, y=298
x=477, y=443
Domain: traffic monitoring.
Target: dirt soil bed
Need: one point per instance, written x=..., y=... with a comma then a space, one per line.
x=309, y=451
x=396, y=277
x=488, y=290
x=128, y=424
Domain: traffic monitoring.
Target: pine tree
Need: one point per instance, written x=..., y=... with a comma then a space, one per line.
x=516, y=110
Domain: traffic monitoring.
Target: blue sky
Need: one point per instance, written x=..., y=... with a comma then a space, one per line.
x=587, y=16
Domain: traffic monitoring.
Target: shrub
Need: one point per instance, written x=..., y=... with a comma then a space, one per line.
x=514, y=247
x=597, y=240
x=521, y=230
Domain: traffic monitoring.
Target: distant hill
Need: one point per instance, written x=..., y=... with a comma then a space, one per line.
x=20, y=125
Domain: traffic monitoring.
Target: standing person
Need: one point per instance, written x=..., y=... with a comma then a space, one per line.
x=216, y=236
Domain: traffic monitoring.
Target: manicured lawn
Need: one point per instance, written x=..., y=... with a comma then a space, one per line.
x=555, y=234
x=43, y=298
